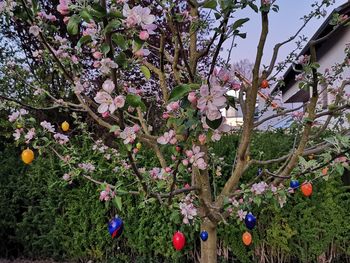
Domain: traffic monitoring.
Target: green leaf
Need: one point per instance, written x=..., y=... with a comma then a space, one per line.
x=112, y=25
x=339, y=168
x=83, y=40
x=146, y=72
x=242, y=35
x=135, y=101
x=180, y=91
x=120, y=41
x=257, y=200
x=105, y=48
x=239, y=23
x=214, y=124
x=122, y=60
x=118, y=202
x=114, y=128
x=97, y=11
x=73, y=25
x=84, y=14
x=210, y=4
x=137, y=44
x=254, y=7
x=232, y=102
x=217, y=16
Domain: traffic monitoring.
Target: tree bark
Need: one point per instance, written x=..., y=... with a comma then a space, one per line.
x=208, y=248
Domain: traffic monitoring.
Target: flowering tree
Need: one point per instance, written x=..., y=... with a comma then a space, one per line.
x=118, y=61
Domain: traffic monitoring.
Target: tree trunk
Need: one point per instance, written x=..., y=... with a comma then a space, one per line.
x=208, y=248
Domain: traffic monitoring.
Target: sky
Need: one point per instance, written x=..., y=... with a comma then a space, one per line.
x=283, y=24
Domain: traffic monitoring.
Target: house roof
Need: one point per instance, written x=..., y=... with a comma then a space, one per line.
x=325, y=28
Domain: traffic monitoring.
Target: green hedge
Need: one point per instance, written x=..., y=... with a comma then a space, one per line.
x=42, y=217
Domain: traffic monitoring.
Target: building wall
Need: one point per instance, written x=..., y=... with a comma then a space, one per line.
x=330, y=53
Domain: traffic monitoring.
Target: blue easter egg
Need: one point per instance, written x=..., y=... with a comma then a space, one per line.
x=204, y=235
x=294, y=184
x=115, y=227
x=250, y=221
x=260, y=170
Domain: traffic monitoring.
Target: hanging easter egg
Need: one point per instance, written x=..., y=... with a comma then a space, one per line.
x=179, y=240
x=306, y=189
x=264, y=84
x=65, y=126
x=260, y=170
x=294, y=184
x=27, y=156
x=138, y=146
x=247, y=238
x=204, y=235
x=115, y=227
x=250, y=221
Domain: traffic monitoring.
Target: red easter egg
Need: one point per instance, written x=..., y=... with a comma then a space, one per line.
x=247, y=238
x=264, y=84
x=306, y=188
x=179, y=240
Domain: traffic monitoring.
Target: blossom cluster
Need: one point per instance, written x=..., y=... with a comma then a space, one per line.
x=188, y=210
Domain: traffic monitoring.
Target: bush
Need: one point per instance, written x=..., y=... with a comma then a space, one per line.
x=43, y=217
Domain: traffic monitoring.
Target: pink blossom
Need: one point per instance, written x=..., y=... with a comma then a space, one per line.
x=30, y=135
x=104, y=196
x=78, y=88
x=211, y=101
x=241, y=214
x=300, y=77
x=157, y=173
x=192, y=97
x=303, y=59
x=188, y=210
x=87, y=167
x=138, y=15
x=106, y=102
x=259, y=188
x=197, y=158
x=273, y=189
x=66, y=177
x=106, y=65
x=165, y=115
x=235, y=203
x=144, y=35
x=136, y=128
x=105, y=114
x=34, y=30
x=66, y=19
x=97, y=55
x=14, y=116
x=167, y=169
x=48, y=126
x=17, y=134
x=74, y=59
x=128, y=135
x=63, y=7
x=185, y=162
x=216, y=136
x=173, y=106
x=119, y=101
x=168, y=137
x=149, y=28
x=61, y=138
x=202, y=138
x=108, y=86
x=142, y=53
